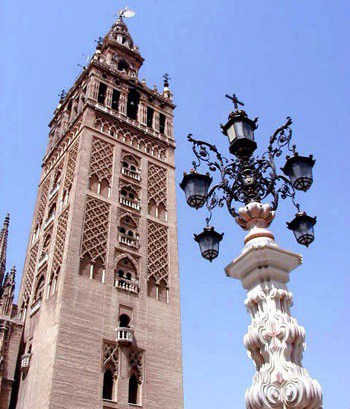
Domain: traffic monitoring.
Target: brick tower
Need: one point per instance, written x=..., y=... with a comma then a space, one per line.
x=100, y=288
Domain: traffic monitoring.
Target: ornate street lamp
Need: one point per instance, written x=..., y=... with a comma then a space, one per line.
x=274, y=340
x=246, y=178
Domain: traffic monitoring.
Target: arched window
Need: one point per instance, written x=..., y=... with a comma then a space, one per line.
x=85, y=266
x=152, y=289
x=126, y=275
x=52, y=212
x=162, y=213
x=39, y=289
x=128, y=234
x=104, y=188
x=108, y=384
x=98, y=270
x=133, y=389
x=152, y=208
x=130, y=167
x=162, y=291
x=129, y=197
x=124, y=321
x=93, y=183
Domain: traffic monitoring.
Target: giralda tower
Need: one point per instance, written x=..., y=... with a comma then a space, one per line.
x=100, y=288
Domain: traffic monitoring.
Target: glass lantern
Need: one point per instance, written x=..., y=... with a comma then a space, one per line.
x=303, y=228
x=209, y=241
x=196, y=186
x=240, y=132
x=299, y=170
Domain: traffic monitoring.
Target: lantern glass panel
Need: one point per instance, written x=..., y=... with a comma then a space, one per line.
x=303, y=229
x=299, y=170
x=209, y=242
x=196, y=186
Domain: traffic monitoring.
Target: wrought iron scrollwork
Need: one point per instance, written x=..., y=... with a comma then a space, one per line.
x=245, y=180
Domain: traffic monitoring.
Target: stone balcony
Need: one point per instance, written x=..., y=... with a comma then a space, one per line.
x=128, y=241
x=125, y=336
x=130, y=203
x=25, y=362
x=127, y=285
x=131, y=174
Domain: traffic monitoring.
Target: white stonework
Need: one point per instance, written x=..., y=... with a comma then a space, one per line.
x=275, y=341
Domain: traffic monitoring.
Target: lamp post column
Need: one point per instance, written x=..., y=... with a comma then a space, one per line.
x=275, y=341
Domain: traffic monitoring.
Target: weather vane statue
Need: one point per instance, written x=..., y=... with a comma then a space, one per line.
x=126, y=12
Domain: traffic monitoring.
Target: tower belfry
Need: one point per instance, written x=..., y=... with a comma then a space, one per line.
x=100, y=288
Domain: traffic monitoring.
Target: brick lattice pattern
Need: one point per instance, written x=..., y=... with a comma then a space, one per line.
x=101, y=163
x=95, y=229
x=44, y=190
x=157, y=184
x=157, y=252
x=29, y=272
x=60, y=240
x=70, y=171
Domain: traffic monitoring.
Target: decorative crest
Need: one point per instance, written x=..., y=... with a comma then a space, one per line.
x=235, y=100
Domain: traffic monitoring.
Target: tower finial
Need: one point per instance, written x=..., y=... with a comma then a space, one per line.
x=3, y=247
x=166, y=78
x=126, y=12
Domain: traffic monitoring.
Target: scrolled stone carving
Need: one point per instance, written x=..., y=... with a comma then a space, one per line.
x=275, y=342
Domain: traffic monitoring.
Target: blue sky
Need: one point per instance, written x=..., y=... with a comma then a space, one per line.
x=280, y=57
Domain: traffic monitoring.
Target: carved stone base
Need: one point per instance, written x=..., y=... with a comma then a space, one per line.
x=275, y=341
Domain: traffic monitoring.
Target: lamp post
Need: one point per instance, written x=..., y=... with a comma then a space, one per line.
x=275, y=342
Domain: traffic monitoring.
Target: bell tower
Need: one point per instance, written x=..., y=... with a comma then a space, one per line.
x=100, y=288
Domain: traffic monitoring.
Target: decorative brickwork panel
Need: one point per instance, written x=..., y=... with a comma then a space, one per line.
x=29, y=272
x=157, y=184
x=71, y=163
x=157, y=252
x=60, y=240
x=101, y=163
x=110, y=356
x=142, y=143
x=95, y=229
x=135, y=357
x=44, y=190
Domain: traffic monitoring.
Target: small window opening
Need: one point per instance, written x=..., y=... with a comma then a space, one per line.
x=108, y=382
x=162, y=123
x=133, y=389
x=133, y=103
x=123, y=65
x=115, y=99
x=124, y=321
x=102, y=93
x=150, y=114
x=104, y=76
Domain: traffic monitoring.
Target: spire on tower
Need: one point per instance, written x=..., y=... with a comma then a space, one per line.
x=3, y=247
